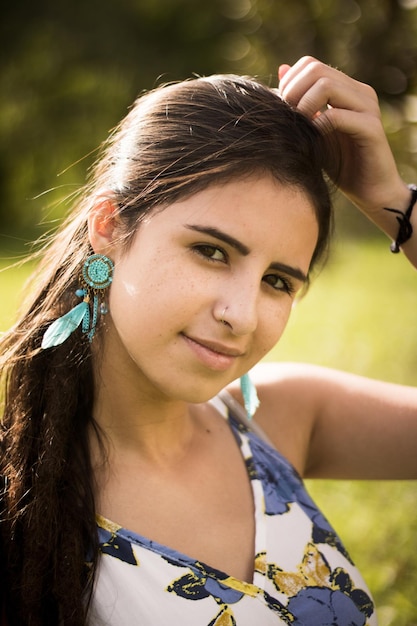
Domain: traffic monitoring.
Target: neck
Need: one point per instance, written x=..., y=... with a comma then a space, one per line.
x=135, y=416
x=135, y=421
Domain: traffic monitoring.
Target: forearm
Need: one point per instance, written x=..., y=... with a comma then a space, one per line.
x=399, y=199
x=363, y=167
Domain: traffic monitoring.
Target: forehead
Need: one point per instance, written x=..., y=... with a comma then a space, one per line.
x=256, y=199
x=258, y=211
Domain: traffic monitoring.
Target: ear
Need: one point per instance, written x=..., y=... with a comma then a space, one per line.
x=102, y=225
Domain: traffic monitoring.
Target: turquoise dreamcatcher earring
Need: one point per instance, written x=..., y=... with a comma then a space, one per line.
x=96, y=276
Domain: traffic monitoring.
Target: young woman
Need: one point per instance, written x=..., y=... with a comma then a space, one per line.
x=134, y=494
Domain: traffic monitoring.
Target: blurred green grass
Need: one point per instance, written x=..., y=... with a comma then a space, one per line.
x=13, y=276
x=360, y=316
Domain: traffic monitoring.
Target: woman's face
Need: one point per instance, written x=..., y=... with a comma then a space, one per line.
x=238, y=252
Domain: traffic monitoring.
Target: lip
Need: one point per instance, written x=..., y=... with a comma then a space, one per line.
x=213, y=354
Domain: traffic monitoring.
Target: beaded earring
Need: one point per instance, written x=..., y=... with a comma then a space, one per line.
x=250, y=397
x=97, y=275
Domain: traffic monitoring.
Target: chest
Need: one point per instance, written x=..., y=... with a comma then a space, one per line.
x=301, y=568
x=204, y=510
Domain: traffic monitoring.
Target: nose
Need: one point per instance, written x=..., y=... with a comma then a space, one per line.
x=239, y=309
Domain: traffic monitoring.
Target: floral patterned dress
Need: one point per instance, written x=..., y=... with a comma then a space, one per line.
x=303, y=575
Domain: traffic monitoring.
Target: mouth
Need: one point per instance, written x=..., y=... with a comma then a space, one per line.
x=213, y=354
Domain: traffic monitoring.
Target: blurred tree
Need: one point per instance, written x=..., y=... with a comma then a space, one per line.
x=70, y=70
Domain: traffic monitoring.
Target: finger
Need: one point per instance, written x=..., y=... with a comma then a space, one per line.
x=334, y=93
x=365, y=129
x=302, y=68
x=282, y=70
x=329, y=87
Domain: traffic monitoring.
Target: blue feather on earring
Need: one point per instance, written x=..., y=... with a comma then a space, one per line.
x=64, y=326
x=250, y=397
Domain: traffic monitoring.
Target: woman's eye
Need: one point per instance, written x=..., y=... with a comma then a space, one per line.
x=213, y=253
x=279, y=283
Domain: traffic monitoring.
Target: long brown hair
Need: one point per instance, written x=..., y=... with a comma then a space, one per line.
x=175, y=141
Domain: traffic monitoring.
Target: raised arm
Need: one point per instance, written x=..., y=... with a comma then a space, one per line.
x=328, y=423
x=332, y=424
x=348, y=112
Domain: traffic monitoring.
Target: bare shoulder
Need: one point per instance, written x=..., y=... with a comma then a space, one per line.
x=323, y=419
x=288, y=406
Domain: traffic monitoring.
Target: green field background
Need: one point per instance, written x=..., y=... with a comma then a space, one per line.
x=360, y=315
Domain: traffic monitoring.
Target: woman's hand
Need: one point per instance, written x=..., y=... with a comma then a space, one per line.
x=348, y=111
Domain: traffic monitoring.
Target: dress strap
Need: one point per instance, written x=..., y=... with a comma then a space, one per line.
x=239, y=414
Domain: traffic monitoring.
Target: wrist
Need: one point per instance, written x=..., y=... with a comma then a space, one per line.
x=403, y=219
x=396, y=195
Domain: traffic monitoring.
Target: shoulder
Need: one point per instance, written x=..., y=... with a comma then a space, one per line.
x=289, y=402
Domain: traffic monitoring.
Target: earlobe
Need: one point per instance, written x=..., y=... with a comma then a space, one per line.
x=102, y=225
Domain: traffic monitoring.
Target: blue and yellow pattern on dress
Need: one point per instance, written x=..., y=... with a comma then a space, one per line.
x=113, y=544
x=308, y=580
x=226, y=591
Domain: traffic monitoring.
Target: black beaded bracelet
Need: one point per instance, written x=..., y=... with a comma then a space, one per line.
x=406, y=230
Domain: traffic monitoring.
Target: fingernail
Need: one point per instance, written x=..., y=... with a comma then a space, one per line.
x=282, y=70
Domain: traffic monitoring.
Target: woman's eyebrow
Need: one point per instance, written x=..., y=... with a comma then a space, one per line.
x=219, y=234
x=295, y=272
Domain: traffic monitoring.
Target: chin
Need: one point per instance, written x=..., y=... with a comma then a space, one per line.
x=199, y=395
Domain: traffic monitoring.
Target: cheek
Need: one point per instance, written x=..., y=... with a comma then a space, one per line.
x=126, y=292
x=126, y=297
x=136, y=279
x=272, y=327
x=149, y=299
